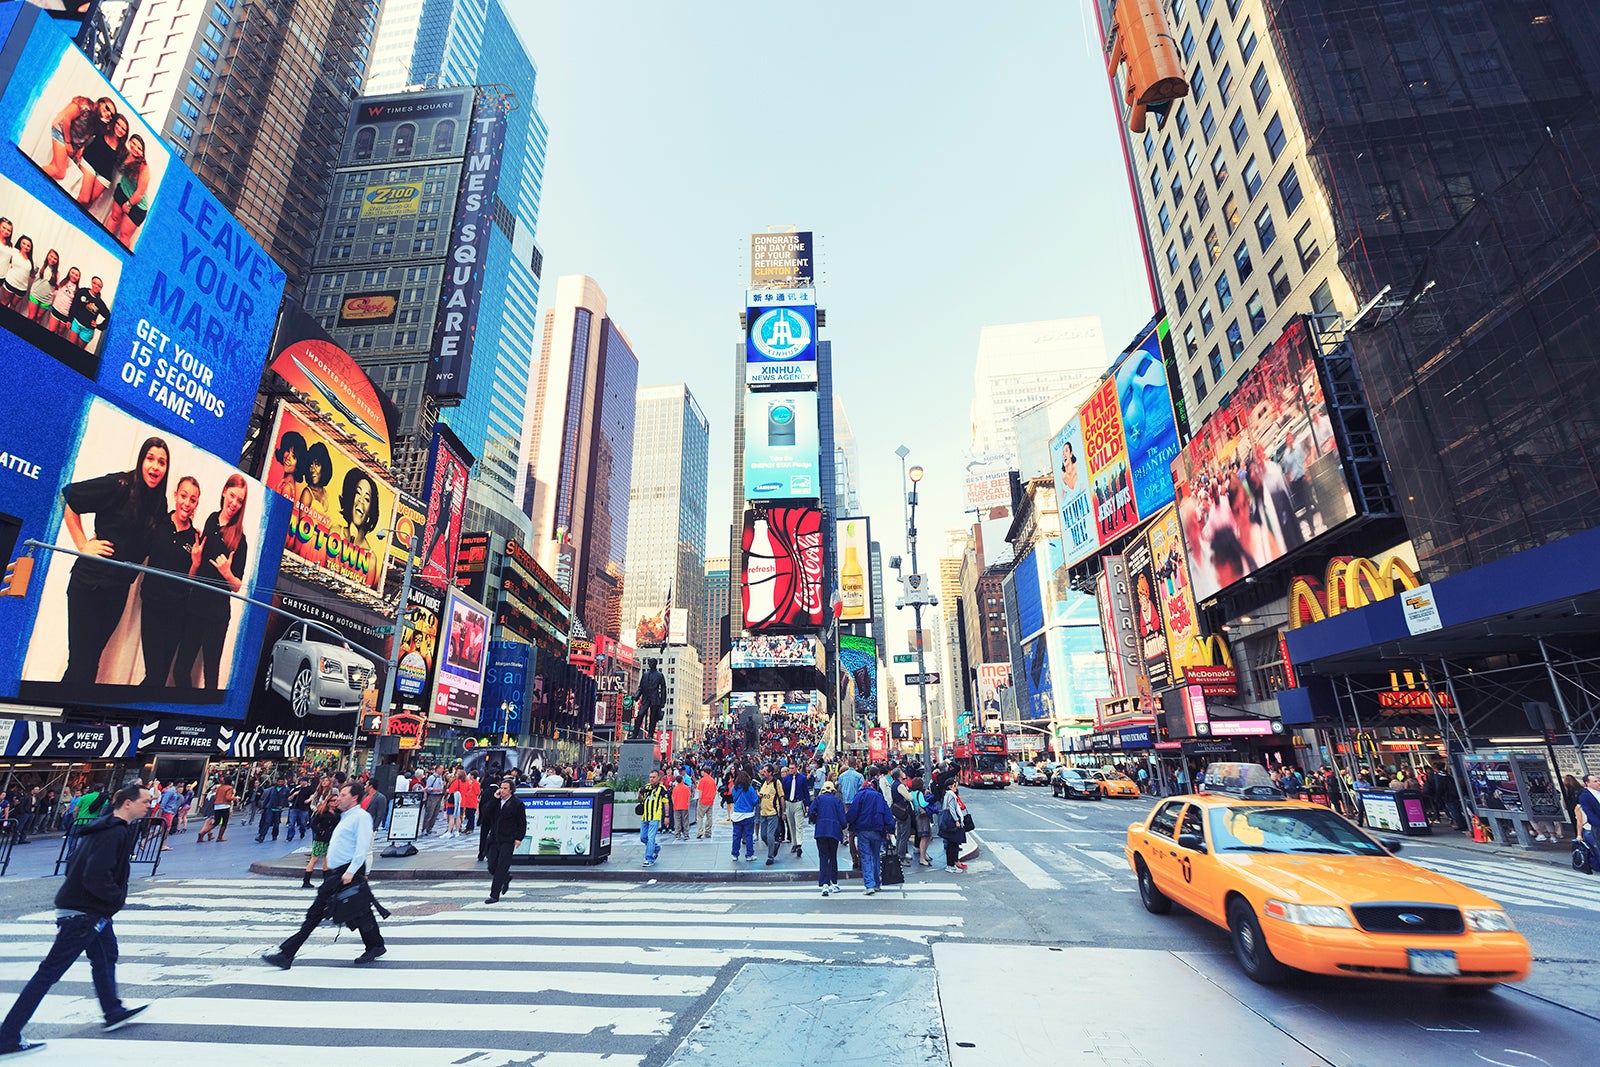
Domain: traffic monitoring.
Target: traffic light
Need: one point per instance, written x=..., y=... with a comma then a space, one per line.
x=1140, y=39
x=18, y=571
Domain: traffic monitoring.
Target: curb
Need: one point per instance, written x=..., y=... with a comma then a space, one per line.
x=1561, y=859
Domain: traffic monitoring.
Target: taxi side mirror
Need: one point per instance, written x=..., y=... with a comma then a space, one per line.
x=1193, y=842
x=1390, y=844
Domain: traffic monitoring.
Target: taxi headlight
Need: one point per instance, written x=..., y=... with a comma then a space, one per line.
x=1487, y=920
x=1308, y=914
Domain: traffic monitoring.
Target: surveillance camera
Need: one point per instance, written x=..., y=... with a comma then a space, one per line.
x=894, y=563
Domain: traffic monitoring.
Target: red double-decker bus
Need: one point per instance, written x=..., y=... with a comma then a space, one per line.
x=981, y=759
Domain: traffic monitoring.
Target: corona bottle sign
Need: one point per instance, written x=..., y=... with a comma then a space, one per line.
x=1352, y=582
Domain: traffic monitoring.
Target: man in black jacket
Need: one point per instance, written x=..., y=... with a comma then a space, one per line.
x=488, y=808
x=95, y=889
x=510, y=827
x=273, y=801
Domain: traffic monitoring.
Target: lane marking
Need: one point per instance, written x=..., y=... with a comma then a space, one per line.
x=1025, y=870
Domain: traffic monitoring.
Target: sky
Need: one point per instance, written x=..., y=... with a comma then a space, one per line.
x=958, y=164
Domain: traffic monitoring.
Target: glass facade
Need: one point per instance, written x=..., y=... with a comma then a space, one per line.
x=599, y=584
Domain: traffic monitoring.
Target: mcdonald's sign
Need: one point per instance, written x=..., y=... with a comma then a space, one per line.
x=1352, y=582
x=1207, y=663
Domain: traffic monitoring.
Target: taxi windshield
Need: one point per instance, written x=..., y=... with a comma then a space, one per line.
x=1272, y=828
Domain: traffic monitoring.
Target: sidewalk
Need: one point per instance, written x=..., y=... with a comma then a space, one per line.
x=1550, y=853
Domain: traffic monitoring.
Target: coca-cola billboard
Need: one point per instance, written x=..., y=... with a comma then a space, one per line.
x=781, y=567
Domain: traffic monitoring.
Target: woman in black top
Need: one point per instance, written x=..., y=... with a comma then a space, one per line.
x=125, y=507
x=221, y=558
x=99, y=160
x=174, y=545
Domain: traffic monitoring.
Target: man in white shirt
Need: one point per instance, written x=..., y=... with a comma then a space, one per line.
x=348, y=851
x=435, y=797
x=552, y=778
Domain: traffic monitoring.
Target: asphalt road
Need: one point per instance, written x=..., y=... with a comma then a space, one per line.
x=1053, y=874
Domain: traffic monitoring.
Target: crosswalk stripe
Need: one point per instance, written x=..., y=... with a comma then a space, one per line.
x=1077, y=870
x=1518, y=889
x=92, y=1050
x=1026, y=871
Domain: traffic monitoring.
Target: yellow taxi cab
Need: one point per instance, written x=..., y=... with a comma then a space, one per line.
x=1299, y=886
x=1113, y=783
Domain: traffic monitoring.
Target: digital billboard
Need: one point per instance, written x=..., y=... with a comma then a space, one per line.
x=1115, y=510
x=1148, y=426
x=313, y=681
x=781, y=568
x=1080, y=533
x=1149, y=628
x=781, y=444
x=391, y=200
x=1038, y=699
x=463, y=652
x=419, y=650
x=780, y=337
x=175, y=331
x=654, y=625
x=472, y=565
x=445, y=493
x=331, y=382
x=339, y=506
x=505, y=690
x=1186, y=639
x=994, y=681
x=781, y=260
x=1263, y=475
x=858, y=665
x=369, y=309
x=124, y=490
x=773, y=650
x=853, y=538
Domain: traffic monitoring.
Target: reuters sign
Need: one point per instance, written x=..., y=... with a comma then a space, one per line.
x=1352, y=582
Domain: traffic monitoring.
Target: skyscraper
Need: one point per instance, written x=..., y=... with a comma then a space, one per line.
x=253, y=97
x=581, y=452
x=666, y=516
x=846, y=464
x=705, y=633
x=1022, y=364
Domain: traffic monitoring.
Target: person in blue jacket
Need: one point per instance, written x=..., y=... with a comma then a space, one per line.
x=871, y=822
x=745, y=799
x=827, y=815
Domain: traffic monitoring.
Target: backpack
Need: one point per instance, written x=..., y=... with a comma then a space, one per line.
x=901, y=807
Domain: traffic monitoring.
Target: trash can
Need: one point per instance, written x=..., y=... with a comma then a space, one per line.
x=566, y=827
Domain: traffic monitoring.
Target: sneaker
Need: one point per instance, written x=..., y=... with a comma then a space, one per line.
x=952, y=870
x=278, y=959
x=836, y=888
x=369, y=955
x=960, y=866
x=825, y=890
x=120, y=1018
x=871, y=891
x=770, y=861
x=491, y=900
x=22, y=1046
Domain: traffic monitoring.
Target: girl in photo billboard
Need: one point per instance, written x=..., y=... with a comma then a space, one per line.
x=130, y=202
x=75, y=126
x=314, y=477
x=99, y=160
x=291, y=457
x=220, y=557
x=358, y=503
x=43, y=291
x=175, y=547
x=16, y=262
x=126, y=507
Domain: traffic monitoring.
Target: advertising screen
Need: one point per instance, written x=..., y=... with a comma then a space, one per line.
x=1078, y=655
x=557, y=825
x=463, y=652
x=505, y=690
x=781, y=260
x=339, y=506
x=419, y=650
x=780, y=341
x=994, y=681
x=1080, y=533
x=774, y=650
x=104, y=635
x=445, y=493
x=1149, y=628
x=654, y=623
x=311, y=680
x=1263, y=475
x=179, y=322
x=1148, y=426
x=1107, y=453
x=369, y=309
x=858, y=666
x=781, y=568
x=781, y=440
x=854, y=540
x=1038, y=699
x=1174, y=597
x=309, y=361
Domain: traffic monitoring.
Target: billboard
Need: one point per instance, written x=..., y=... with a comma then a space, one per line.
x=115, y=486
x=653, y=627
x=1124, y=659
x=781, y=568
x=781, y=260
x=1263, y=475
x=858, y=667
x=1189, y=650
x=419, y=650
x=1149, y=628
x=463, y=657
x=310, y=681
x=780, y=339
x=994, y=681
x=773, y=650
x=1080, y=533
x=472, y=564
x=332, y=382
x=339, y=506
x=175, y=331
x=450, y=360
x=781, y=445
x=505, y=690
x=445, y=494
x=391, y=200
x=853, y=538
x=1115, y=511
x=1038, y=699
x=1149, y=429
x=369, y=309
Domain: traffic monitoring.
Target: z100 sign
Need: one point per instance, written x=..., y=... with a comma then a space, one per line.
x=781, y=565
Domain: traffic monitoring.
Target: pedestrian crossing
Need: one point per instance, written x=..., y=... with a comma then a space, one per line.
x=1041, y=866
x=566, y=972
x=1513, y=881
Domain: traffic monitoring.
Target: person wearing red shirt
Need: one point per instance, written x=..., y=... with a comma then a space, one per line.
x=706, y=794
x=681, y=794
x=469, y=800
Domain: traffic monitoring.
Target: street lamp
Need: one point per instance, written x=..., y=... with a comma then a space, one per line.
x=918, y=593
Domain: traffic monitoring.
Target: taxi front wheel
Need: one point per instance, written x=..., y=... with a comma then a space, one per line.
x=1150, y=895
x=1250, y=945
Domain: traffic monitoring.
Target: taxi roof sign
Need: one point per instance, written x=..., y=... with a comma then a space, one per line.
x=1247, y=780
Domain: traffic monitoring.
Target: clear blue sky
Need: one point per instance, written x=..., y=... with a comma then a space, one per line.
x=958, y=164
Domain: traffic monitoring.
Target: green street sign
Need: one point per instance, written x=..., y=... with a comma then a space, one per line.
x=383, y=631
x=905, y=657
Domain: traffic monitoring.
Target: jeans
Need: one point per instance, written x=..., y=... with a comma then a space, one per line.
x=769, y=834
x=74, y=936
x=744, y=830
x=827, y=861
x=647, y=833
x=299, y=822
x=269, y=821
x=871, y=845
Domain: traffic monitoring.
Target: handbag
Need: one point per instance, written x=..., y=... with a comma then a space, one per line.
x=889, y=870
x=638, y=809
x=966, y=822
x=350, y=904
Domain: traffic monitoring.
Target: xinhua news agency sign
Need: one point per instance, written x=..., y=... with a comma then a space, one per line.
x=451, y=357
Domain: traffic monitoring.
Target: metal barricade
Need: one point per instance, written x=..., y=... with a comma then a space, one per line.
x=8, y=837
x=151, y=835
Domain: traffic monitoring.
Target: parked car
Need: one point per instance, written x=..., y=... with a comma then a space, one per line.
x=1071, y=783
x=316, y=675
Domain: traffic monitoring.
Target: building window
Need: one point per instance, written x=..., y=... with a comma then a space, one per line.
x=1213, y=246
x=1191, y=159
x=383, y=248
x=202, y=72
x=1181, y=295
x=1168, y=152
x=1199, y=384
x=1276, y=139
x=1224, y=292
x=1247, y=41
x=1208, y=124
x=1233, y=7
x=1252, y=177
x=1289, y=189
x=1388, y=201
x=1202, y=9
x=208, y=53
x=1418, y=76
x=1257, y=313
x=1230, y=213
x=418, y=274
x=1260, y=88
x=1238, y=132
x=184, y=131
x=214, y=34
x=1207, y=321
x=1177, y=188
x=1278, y=277
x=1459, y=193
x=444, y=136
x=1190, y=345
x=1185, y=232
x=1214, y=360
x=1225, y=84
x=1266, y=229
x=1197, y=83
x=1172, y=260
x=405, y=138
x=1183, y=119
x=1219, y=169
x=1235, y=340
x=424, y=244
x=187, y=109
x=1149, y=143
x=365, y=137
x=1305, y=244
x=1214, y=42
x=1202, y=203
x=1187, y=43
x=360, y=341
x=220, y=15
x=375, y=277
x=1241, y=261
x=1163, y=216
x=1155, y=182
x=1195, y=273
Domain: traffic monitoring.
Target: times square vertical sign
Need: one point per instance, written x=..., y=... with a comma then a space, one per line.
x=450, y=361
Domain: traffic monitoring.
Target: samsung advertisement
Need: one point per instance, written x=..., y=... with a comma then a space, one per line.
x=781, y=442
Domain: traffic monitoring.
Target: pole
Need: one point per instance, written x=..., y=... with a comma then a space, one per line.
x=916, y=610
x=386, y=701
x=1561, y=705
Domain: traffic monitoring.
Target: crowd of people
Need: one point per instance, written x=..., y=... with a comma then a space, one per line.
x=777, y=734
x=36, y=286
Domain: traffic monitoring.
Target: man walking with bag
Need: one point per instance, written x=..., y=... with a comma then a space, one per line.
x=871, y=822
x=505, y=837
x=347, y=860
x=95, y=889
